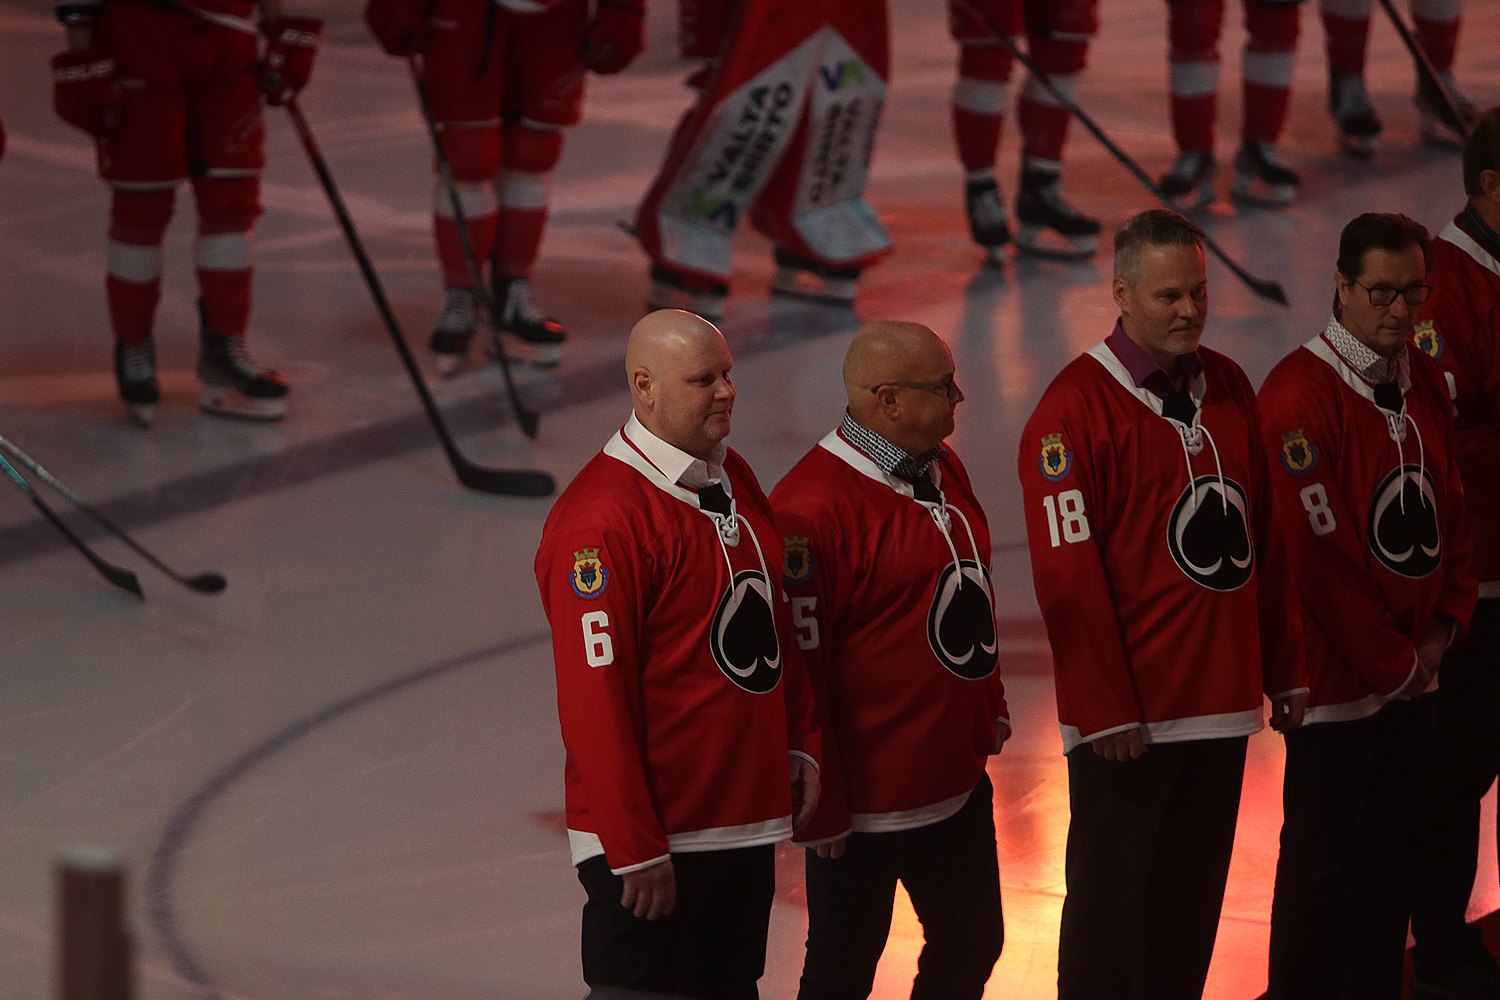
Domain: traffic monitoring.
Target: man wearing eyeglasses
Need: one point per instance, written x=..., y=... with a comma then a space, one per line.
x=887, y=561
x=1459, y=328
x=1166, y=596
x=1357, y=429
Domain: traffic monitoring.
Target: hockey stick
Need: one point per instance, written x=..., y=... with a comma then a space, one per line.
x=461, y=220
x=1428, y=73
x=510, y=482
x=1263, y=287
x=117, y=575
x=203, y=583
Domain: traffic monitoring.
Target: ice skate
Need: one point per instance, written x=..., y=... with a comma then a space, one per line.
x=670, y=290
x=1190, y=182
x=452, y=331
x=1261, y=179
x=1439, y=127
x=1355, y=115
x=988, y=223
x=233, y=385
x=529, y=335
x=1048, y=226
x=135, y=374
x=802, y=278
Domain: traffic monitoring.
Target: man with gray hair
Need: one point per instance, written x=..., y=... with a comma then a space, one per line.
x=1167, y=600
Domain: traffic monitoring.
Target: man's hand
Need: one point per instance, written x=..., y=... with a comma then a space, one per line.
x=1434, y=642
x=833, y=850
x=806, y=787
x=1287, y=711
x=1002, y=733
x=85, y=92
x=615, y=36
x=1122, y=746
x=288, y=63
x=650, y=893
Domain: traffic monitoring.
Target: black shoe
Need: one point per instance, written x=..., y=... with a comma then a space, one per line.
x=135, y=374
x=1048, y=225
x=453, y=329
x=988, y=223
x=529, y=335
x=233, y=384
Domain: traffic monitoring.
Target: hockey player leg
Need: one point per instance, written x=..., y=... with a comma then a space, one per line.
x=233, y=384
x=532, y=150
x=474, y=157
x=1437, y=24
x=138, y=223
x=980, y=96
x=1193, y=29
x=1346, y=26
x=1260, y=178
x=1049, y=225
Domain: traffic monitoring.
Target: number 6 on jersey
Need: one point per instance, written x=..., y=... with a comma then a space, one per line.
x=1066, y=509
x=597, y=646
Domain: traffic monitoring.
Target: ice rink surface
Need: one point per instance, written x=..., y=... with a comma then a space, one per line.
x=343, y=778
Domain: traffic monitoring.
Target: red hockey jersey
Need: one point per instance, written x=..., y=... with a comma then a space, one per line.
x=1374, y=518
x=1161, y=578
x=893, y=608
x=1459, y=328
x=679, y=689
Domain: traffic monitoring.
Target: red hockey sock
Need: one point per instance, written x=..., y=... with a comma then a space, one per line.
x=1439, y=39
x=1044, y=121
x=132, y=307
x=138, y=222
x=450, y=247
x=523, y=217
x=1346, y=43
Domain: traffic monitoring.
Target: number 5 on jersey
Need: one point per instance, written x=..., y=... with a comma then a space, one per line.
x=1066, y=519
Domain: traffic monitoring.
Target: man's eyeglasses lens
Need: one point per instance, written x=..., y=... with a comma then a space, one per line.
x=1384, y=295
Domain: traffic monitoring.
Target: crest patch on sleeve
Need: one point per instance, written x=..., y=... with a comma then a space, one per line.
x=1428, y=340
x=590, y=576
x=796, y=559
x=1056, y=461
x=1298, y=454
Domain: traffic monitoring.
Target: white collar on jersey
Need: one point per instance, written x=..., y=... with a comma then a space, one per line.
x=857, y=460
x=675, y=465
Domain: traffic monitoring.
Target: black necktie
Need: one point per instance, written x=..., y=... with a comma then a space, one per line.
x=1179, y=406
x=713, y=498
x=1388, y=396
x=923, y=489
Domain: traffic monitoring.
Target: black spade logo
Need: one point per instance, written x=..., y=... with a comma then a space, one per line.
x=961, y=621
x=743, y=635
x=1406, y=541
x=1210, y=540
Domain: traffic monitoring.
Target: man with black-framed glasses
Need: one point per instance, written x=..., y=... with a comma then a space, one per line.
x=886, y=560
x=1360, y=441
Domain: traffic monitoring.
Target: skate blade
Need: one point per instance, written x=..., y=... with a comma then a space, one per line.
x=806, y=285
x=226, y=401
x=525, y=352
x=705, y=304
x=141, y=414
x=450, y=365
x=1254, y=191
x=1038, y=241
x=1199, y=197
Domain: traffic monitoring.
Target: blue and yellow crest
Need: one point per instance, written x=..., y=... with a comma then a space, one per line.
x=1298, y=454
x=796, y=559
x=589, y=576
x=1056, y=460
x=1428, y=340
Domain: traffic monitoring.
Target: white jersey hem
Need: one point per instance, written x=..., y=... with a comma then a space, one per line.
x=585, y=845
x=908, y=819
x=1198, y=727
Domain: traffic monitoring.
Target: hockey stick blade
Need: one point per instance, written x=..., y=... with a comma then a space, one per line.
x=1264, y=287
x=203, y=583
x=117, y=575
x=509, y=482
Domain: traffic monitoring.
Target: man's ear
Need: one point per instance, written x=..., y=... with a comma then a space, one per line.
x=1119, y=290
x=642, y=387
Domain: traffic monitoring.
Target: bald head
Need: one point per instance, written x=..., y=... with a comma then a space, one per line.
x=916, y=415
x=678, y=367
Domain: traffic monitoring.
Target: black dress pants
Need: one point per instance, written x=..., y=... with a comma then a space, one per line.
x=1466, y=759
x=1350, y=839
x=952, y=875
x=711, y=947
x=1148, y=854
